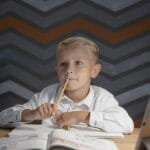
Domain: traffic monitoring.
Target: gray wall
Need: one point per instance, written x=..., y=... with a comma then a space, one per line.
x=31, y=29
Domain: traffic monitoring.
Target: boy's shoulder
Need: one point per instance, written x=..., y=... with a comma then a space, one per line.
x=104, y=95
x=101, y=91
x=53, y=88
x=49, y=93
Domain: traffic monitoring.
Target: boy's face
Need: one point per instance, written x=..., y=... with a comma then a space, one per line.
x=78, y=65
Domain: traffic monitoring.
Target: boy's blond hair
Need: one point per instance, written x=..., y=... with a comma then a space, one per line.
x=77, y=41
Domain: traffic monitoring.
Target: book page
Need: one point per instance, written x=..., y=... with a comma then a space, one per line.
x=73, y=138
x=94, y=132
x=60, y=137
x=32, y=129
x=24, y=142
x=79, y=129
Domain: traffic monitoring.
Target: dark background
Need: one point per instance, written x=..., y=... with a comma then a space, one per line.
x=31, y=29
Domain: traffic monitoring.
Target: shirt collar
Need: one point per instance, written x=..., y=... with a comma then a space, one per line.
x=86, y=101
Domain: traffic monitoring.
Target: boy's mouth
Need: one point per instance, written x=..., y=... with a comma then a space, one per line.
x=70, y=79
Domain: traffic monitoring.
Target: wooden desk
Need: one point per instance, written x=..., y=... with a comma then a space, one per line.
x=126, y=143
x=129, y=141
x=4, y=132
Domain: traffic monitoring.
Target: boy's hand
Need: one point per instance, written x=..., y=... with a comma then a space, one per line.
x=42, y=112
x=69, y=118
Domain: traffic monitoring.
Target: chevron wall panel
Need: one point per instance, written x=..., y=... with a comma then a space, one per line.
x=31, y=29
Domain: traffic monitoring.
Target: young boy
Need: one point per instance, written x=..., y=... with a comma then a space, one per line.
x=77, y=61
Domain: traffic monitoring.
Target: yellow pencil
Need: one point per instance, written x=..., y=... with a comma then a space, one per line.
x=66, y=127
x=59, y=98
x=61, y=94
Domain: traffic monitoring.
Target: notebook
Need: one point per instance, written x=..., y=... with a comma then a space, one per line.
x=143, y=142
x=56, y=139
x=78, y=129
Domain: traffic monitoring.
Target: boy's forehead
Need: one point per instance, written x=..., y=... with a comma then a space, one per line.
x=75, y=48
x=85, y=50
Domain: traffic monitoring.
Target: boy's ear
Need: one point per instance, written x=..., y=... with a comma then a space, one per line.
x=96, y=70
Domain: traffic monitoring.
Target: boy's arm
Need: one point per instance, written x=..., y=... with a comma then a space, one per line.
x=9, y=117
x=74, y=117
x=28, y=115
x=43, y=111
x=112, y=118
x=12, y=115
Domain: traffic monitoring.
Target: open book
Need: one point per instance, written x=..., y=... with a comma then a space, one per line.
x=24, y=142
x=68, y=140
x=57, y=139
x=79, y=129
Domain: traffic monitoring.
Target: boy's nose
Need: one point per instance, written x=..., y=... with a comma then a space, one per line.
x=68, y=74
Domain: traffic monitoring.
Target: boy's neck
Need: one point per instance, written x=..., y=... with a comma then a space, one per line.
x=78, y=95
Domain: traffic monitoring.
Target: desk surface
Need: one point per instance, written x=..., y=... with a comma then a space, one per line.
x=126, y=143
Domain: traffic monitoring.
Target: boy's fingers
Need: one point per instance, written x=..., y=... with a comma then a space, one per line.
x=62, y=122
x=58, y=114
x=49, y=107
x=41, y=111
x=45, y=109
x=54, y=110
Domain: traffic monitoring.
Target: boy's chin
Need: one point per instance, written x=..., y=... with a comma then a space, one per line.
x=70, y=89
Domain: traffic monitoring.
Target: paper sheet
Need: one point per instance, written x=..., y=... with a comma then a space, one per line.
x=78, y=129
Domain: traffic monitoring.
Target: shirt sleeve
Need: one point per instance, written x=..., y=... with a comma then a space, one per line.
x=10, y=117
x=112, y=118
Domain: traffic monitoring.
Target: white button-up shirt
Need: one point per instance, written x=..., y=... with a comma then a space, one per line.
x=105, y=113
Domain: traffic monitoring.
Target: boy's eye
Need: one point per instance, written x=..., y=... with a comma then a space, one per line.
x=79, y=62
x=63, y=64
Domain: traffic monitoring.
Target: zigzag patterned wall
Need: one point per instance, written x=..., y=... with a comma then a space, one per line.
x=31, y=29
